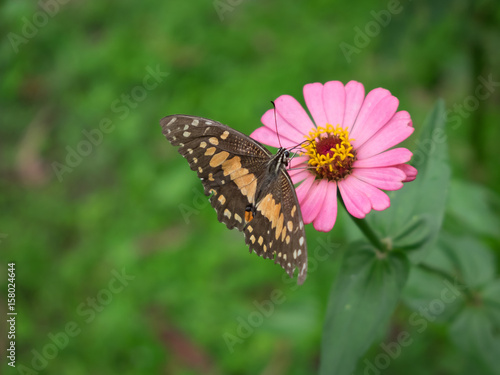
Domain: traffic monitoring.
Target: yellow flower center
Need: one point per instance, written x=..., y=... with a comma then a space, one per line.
x=330, y=152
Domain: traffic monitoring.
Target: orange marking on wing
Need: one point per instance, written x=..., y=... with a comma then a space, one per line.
x=279, y=225
x=248, y=216
x=231, y=165
x=244, y=180
x=247, y=184
x=265, y=205
x=250, y=190
x=218, y=159
x=272, y=212
x=210, y=151
x=239, y=173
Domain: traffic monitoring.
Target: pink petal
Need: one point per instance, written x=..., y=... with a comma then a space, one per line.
x=273, y=120
x=356, y=202
x=298, y=161
x=378, y=199
x=334, y=102
x=411, y=172
x=354, y=96
x=394, y=132
x=294, y=114
x=389, y=178
x=313, y=95
x=378, y=108
x=268, y=137
x=385, y=159
x=299, y=175
x=313, y=203
x=297, y=168
x=327, y=216
x=303, y=190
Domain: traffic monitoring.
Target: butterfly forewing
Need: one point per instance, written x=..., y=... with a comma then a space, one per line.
x=235, y=173
x=217, y=153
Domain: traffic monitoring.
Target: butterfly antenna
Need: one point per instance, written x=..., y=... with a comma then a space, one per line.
x=276, y=123
x=299, y=146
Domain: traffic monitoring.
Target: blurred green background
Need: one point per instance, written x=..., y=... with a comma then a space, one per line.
x=129, y=203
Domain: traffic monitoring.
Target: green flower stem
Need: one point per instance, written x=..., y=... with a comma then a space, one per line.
x=368, y=232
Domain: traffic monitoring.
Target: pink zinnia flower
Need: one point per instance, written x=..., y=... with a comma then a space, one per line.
x=347, y=148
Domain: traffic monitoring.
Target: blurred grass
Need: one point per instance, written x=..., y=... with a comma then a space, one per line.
x=119, y=208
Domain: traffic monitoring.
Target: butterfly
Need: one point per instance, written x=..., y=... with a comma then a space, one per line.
x=248, y=186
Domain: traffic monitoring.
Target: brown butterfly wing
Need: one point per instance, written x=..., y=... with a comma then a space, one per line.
x=234, y=170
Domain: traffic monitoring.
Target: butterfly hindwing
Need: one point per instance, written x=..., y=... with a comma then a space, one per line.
x=277, y=230
x=235, y=173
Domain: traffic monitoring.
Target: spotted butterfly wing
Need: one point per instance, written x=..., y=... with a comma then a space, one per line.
x=248, y=187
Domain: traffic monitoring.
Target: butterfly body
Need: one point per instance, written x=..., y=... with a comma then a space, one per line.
x=248, y=186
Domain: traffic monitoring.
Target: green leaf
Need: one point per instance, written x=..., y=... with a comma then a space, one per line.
x=472, y=207
x=474, y=263
x=362, y=300
x=464, y=260
x=477, y=333
x=476, y=330
x=414, y=219
x=490, y=296
x=431, y=295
